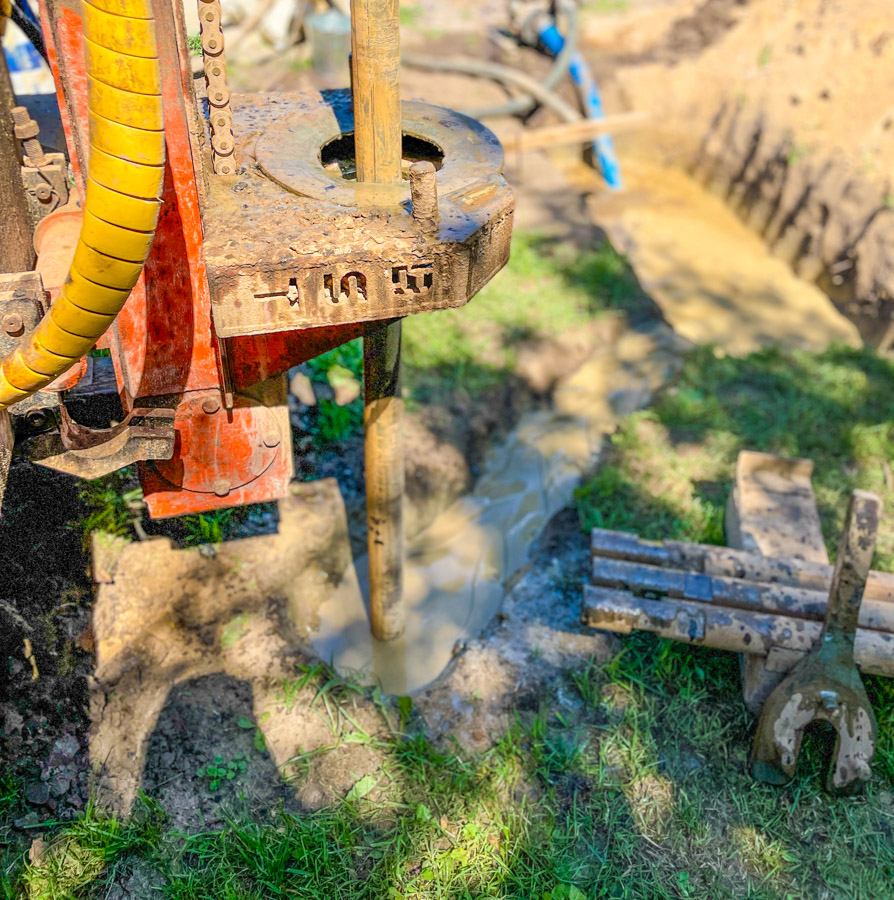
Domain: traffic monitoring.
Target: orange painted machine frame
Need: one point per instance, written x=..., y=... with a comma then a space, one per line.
x=233, y=443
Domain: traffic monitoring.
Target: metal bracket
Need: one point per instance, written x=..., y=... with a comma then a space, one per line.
x=23, y=302
x=93, y=452
x=46, y=187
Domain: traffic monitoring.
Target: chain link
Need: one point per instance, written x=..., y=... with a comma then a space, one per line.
x=223, y=146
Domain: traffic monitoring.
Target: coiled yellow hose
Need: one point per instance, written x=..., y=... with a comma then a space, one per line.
x=124, y=183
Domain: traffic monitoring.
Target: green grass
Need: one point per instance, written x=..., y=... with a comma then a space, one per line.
x=410, y=14
x=635, y=788
x=547, y=288
x=603, y=7
x=332, y=423
x=111, y=503
x=667, y=474
x=669, y=468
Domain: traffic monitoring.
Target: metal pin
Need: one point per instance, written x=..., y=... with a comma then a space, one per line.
x=424, y=195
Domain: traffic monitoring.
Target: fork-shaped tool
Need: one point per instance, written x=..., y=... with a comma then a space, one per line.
x=826, y=685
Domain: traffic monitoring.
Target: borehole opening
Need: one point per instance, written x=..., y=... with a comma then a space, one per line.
x=337, y=157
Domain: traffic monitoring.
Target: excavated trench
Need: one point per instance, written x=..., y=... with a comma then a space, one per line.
x=816, y=212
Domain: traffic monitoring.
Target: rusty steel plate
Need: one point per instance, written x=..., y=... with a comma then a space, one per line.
x=292, y=152
x=287, y=247
x=219, y=452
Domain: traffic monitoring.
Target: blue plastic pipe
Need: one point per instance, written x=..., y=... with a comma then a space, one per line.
x=603, y=146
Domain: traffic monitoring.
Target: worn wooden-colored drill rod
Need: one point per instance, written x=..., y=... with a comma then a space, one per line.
x=375, y=72
x=739, y=593
x=728, y=562
x=724, y=627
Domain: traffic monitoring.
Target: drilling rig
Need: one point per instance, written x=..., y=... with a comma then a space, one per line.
x=210, y=241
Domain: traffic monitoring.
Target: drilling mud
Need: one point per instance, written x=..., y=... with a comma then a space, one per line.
x=714, y=279
x=457, y=567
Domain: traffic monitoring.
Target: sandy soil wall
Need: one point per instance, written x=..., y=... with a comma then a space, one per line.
x=784, y=107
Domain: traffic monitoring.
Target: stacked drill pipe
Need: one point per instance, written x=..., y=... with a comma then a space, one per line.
x=727, y=599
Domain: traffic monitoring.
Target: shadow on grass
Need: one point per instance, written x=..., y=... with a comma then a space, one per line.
x=835, y=407
x=667, y=474
x=636, y=789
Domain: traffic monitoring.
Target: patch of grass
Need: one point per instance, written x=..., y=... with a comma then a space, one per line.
x=641, y=793
x=548, y=287
x=301, y=64
x=115, y=502
x=208, y=528
x=194, y=44
x=12, y=845
x=333, y=423
x=669, y=468
x=112, y=503
x=348, y=356
x=92, y=848
x=337, y=423
x=604, y=7
x=410, y=14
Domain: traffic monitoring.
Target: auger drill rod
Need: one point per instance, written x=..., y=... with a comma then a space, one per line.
x=375, y=69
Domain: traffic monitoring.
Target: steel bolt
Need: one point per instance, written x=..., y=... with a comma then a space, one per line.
x=43, y=192
x=221, y=487
x=26, y=131
x=210, y=405
x=13, y=324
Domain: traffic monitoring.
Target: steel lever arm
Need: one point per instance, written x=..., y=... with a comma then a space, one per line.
x=826, y=684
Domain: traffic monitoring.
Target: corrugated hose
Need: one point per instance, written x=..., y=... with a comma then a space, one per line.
x=125, y=175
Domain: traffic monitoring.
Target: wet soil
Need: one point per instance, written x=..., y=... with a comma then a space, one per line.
x=713, y=277
x=490, y=676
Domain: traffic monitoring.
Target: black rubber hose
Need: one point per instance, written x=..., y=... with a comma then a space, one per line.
x=497, y=72
x=524, y=103
x=30, y=30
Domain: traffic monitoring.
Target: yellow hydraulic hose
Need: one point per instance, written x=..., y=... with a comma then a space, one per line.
x=124, y=184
